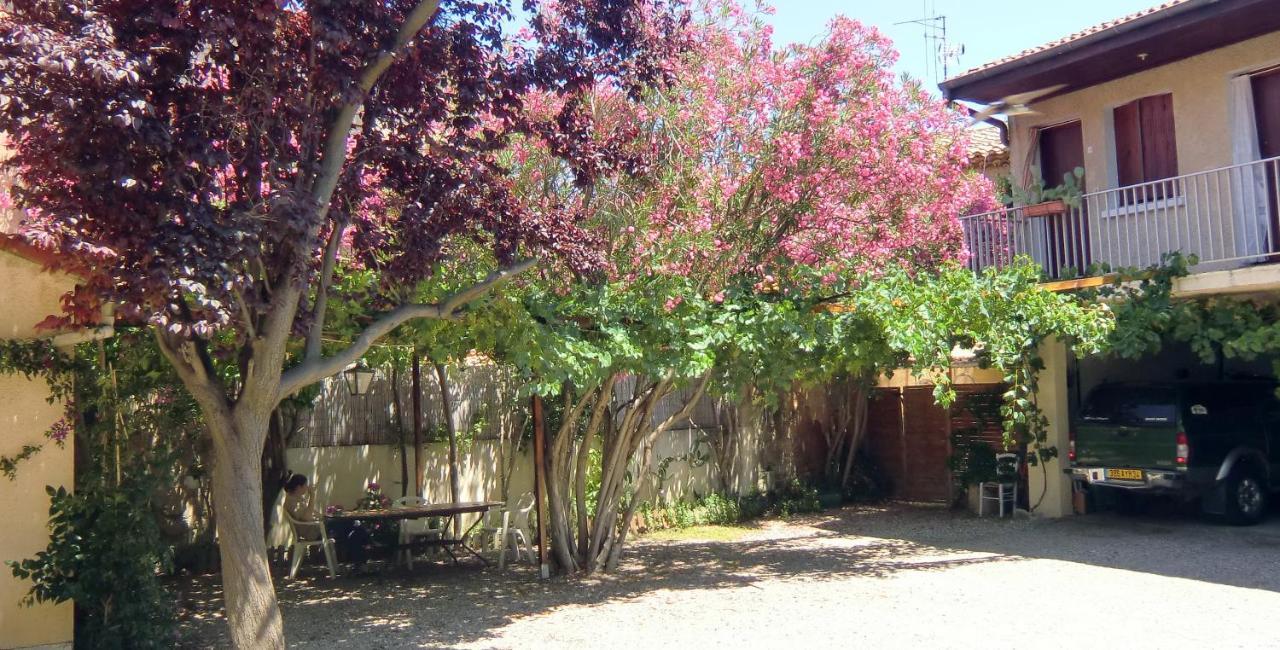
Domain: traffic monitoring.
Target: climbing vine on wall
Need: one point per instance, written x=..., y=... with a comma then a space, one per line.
x=39, y=359
x=135, y=433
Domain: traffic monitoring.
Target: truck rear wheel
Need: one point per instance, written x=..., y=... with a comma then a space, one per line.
x=1246, y=497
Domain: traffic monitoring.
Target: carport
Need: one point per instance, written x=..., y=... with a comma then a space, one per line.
x=1066, y=381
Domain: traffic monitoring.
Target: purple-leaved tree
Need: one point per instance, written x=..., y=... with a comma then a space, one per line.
x=201, y=163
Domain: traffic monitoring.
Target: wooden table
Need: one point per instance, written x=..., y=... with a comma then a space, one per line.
x=428, y=510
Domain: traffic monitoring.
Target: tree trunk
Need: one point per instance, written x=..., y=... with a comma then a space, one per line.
x=840, y=409
x=274, y=466
x=559, y=472
x=446, y=402
x=861, y=396
x=583, y=463
x=253, y=614
x=397, y=411
x=419, y=461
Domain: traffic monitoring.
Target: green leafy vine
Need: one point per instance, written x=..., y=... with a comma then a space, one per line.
x=32, y=359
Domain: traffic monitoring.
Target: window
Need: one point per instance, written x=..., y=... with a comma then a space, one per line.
x=1131, y=406
x=1145, y=147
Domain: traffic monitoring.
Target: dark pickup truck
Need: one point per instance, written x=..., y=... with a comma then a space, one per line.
x=1217, y=442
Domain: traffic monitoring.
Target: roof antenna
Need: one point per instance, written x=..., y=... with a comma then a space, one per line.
x=936, y=44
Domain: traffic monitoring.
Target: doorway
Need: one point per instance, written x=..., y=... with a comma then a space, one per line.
x=1266, y=110
x=1066, y=234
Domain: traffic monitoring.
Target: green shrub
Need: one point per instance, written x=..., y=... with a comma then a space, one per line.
x=104, y=553
x=711, y=510
x=972, y=462
x=796, y=498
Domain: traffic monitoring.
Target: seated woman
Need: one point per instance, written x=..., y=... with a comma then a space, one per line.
x=297, y=502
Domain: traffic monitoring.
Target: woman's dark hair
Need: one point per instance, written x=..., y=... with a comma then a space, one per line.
x=294, y=482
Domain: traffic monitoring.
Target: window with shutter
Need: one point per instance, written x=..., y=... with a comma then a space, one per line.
x=1146, y=150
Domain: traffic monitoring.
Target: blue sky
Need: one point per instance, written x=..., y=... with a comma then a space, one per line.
x=988, y=29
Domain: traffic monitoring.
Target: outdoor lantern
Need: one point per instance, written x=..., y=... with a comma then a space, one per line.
x=358, y=378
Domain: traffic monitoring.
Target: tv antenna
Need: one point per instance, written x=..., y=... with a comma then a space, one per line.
x=938, y=50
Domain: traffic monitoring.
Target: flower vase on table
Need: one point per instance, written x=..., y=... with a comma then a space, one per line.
x=383, y=532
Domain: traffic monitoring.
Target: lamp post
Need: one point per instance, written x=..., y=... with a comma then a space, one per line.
x=358, y=378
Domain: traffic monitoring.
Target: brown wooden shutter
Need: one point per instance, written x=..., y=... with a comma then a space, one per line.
x=1128, y=144
x=1159, y=149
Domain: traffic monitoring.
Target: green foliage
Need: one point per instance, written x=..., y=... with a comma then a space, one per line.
x=1068, y=192
x=794, y=499
x=972, y=462
x=1002, y=313
x=137, y=433
x=1147, y=315
x=713, y=509
x=595, y=458
x=104, y=554
x=1143, y=304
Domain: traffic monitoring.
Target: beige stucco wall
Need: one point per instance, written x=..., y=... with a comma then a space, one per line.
x=1047, y=486
x=338, y=474
x=1200, y=105
x=1201, y=221
x=27, y=295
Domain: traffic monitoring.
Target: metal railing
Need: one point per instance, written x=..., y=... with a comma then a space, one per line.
x=1226, y=217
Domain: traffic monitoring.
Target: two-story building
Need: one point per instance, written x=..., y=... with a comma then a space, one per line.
x=1174, y=115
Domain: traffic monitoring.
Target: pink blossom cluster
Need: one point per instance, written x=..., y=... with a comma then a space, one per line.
x=767, y=158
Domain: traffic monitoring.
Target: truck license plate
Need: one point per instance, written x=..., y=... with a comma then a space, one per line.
x=1125, y=474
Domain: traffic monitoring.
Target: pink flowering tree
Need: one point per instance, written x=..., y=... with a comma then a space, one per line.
x=780, y=178
x=811, y=156
x=201, y=163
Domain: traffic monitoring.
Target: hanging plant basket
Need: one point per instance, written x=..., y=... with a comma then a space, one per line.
x=1046, y=208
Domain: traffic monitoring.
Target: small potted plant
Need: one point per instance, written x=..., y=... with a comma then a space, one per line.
x=1040, y=201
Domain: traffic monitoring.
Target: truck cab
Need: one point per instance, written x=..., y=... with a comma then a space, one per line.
x=1217, y=442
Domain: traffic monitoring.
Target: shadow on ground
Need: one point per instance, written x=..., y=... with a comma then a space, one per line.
x=440, y=605
x=443, y=605
x=1162, y=540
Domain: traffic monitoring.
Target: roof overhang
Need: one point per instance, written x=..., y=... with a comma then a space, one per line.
x=1146, y=41
x=19, y=246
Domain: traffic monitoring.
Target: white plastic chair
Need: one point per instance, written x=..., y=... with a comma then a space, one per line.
x=411, y=529
x=1002, y=490
x=509, y=529
x=301, y=544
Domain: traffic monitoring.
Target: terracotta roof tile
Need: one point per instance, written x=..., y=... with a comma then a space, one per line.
x=984, y=141
x=1088, y=31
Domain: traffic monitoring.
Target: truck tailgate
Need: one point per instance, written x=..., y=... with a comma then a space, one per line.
x=1122, y=446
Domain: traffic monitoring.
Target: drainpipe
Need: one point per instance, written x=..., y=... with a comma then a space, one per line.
x=1002, y=127
x=102, y=332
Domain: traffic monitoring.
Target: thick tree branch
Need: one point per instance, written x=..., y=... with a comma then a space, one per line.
x=331, y=164
x=184, y=359
x=322, y=289
x=312, y=370
x=335, y=147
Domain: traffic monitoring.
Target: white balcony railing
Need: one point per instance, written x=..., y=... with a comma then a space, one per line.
x=1226, y=217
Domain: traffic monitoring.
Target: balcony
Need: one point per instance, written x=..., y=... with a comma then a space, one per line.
x=1226, y=217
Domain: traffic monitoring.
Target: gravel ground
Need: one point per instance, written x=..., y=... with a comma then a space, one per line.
x=892, y=576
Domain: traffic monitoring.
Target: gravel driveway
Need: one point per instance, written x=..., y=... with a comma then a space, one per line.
x=892, y=576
